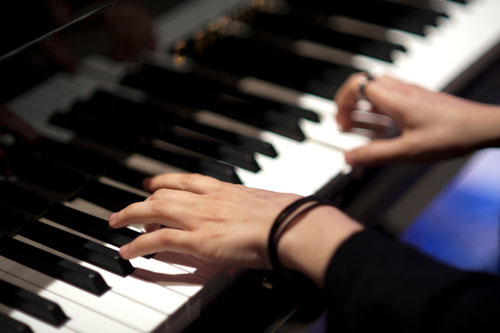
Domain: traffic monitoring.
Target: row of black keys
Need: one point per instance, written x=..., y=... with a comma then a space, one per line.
x=140, y=123
x=266, y=52
x=18, y=203
x=54, y=266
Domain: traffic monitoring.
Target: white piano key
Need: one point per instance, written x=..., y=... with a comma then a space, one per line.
x=35, y=324
x=318, y=162
x=456, y=45
x=150, y=166
x=213, y=278
x=169, y=276
x=327, y=131
x=122, y=186
x=132, y=287
x=81, y=319
x=112, y=305
x=216, y=276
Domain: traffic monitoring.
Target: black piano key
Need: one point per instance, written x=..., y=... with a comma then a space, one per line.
x=391, y=15
x=53, y=266
x=77, y=247
x=208, y=167
x=221, y=151
x=215, y=169
x=293, y=25
x=90, y=128
x=11, y=220
x=126, y=176
x=264, y=103
x=10, y=325
x=29, y=302
x=92, y=163
x=109, y=197
x=172, y=134
x=225, y=135
x=74, y=156
x=201, y=83
x=248, y=57
x=265, y=119
x=90, y=225
x=244, y=141
x=47, y=174
x=23, y=200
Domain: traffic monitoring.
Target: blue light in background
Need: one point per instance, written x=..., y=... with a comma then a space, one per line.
x=461, y=225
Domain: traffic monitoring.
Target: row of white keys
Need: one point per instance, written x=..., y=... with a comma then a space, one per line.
x=114, y=306
x=35, y=324
x=160, y=272
x=161, y=299
x=81, y=319
x=445, y=54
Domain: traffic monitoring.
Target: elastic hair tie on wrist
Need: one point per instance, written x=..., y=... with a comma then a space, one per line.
x=283, y=220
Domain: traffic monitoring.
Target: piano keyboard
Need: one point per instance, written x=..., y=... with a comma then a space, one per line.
x=267, y=122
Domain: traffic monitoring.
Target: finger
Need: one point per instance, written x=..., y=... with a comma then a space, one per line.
x=347, y=96
x=379, y=152
x=386, y=94
x=165, y=239
x=169, y=213
x=194, y=183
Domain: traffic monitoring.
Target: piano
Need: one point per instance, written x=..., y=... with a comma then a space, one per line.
x=238, y=90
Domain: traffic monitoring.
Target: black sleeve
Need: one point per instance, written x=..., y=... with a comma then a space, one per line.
x=376, y=283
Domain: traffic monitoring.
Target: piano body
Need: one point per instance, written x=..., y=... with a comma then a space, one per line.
x=238, y=90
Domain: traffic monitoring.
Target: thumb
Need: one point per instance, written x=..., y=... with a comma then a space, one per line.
x=379, y=152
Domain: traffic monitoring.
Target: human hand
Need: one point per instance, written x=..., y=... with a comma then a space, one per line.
x=209, y=219
x=433, y=125
x=229, y=224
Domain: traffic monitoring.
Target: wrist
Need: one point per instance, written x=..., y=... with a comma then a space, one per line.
x=309, y=244
x=484, y=124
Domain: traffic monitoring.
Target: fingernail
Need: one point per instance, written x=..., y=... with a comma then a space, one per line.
x=123, y=251
x=350, y=157
x=146, y=183
x=112, y=217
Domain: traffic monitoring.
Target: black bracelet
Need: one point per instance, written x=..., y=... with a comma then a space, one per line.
x=283, y=220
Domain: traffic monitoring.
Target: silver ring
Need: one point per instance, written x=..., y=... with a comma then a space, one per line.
x=363, y=82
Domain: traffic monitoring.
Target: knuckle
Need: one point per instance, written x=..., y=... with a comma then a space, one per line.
x=160, y=194
x=164, y=238
x=158, y=207
x=190, y=178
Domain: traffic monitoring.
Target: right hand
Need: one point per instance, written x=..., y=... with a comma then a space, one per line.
x=433, y=125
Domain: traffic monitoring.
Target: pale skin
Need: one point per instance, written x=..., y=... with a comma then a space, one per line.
x=229, y=224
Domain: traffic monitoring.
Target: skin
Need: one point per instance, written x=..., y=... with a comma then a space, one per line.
x=433, y=125
x=229, y=224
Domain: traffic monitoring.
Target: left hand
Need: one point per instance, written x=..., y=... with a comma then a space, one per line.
x=209, y=219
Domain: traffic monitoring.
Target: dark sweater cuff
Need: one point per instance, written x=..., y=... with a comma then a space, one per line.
x=373, y=281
